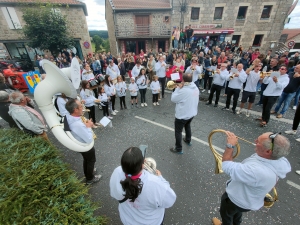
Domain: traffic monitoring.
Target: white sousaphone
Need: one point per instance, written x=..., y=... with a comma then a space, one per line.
x=58, y=81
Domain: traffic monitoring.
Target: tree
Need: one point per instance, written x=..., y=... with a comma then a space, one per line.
x=46, y=28
x=98, y=42
x=106, y=45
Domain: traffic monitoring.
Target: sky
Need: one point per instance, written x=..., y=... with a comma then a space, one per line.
x=96, y=15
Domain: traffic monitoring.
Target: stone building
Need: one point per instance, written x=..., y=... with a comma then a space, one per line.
x=134, y=25
x=11, y=22
x=255, y=23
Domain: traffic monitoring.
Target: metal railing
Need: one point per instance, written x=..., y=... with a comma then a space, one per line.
x=143, y=31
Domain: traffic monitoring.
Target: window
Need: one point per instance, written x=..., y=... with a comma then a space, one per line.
x=257, y=40
x=236, y=40
x=242, y=13
x=11, y=18
x=195, y=13
x=266, y=12
x=218, y=13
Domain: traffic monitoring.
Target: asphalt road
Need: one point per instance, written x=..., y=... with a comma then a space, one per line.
x=191, y=175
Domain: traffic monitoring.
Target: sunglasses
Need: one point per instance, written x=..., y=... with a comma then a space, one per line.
x=272, y=137
x=282, y=68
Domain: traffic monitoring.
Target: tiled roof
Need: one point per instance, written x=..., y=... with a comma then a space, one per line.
x=70, y=2
x=293, y=7
x=291, y=33
x=140, y=4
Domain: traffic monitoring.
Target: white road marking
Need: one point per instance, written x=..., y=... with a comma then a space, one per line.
x=204, y=143
x=293, y=184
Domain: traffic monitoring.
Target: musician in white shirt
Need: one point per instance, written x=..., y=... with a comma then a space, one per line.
x=113, y=71
x=136, y=69
x=195, y=70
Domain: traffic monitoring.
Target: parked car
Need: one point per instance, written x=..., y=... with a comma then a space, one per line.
x=17, y=64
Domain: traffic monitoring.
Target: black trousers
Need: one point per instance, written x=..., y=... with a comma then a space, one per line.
x=154, y=98
x=105, y=109
x=162, y=81
x=143, y=95
x=268, y=102
x=226, y=87
x=113, y=100
x=235, y=93
x=122, y=101
x=179, y=124
x=262, y=88
x=296, y=120
x=230, y=212
x=209, y=79
x=89, y=159
x=92, y=113
x=217, y=89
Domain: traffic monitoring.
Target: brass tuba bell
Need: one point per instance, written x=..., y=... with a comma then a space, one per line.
x=171, y=85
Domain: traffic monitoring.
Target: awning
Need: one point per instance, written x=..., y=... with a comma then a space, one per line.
x=214, y=31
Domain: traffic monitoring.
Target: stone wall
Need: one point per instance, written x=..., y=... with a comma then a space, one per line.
x=248, y=28
x=109, y=17
x=76, y=23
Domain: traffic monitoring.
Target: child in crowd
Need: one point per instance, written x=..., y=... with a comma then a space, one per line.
x=155, y=87
x=104, y=102
x=141, y=81
x=110, y=90
x=133, y=88
x=121, y=91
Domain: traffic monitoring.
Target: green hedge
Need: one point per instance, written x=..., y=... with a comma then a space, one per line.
x=37, y=187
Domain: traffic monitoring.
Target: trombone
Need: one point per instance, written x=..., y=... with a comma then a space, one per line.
x=264, y=74
x=269, y=199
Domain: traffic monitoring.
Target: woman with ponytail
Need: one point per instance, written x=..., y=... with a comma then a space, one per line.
x=143, y=197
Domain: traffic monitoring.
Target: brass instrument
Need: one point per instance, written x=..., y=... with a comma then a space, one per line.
x=269, y=200
x=265, y=74
x=83, y=119
x=193, y=69
x=150, y=165
x=171, y=85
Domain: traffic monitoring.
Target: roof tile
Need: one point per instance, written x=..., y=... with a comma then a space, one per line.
x=140, y=4
x=291, y=33
x=71, y=2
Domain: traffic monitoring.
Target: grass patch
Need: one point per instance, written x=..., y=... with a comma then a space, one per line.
x=37, y=187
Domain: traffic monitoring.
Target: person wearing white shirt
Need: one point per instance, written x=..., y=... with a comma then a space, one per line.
x=133, y=88
x=195, y=70
x=155, y=87
x=83, y=133
x=142, y=196
x=272, y=92
x=61, y=104
x=250, y=88
x=160, y=68
x=136, y=69
x=121, y=91
x=113, y=71
x=234, y=87
x=87, y=73
x=110, y=91
x=219, y=79
x=142, y=83
x=254, y=177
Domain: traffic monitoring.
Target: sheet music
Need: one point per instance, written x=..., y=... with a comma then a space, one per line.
x=175, y=76
x=234, y=70
x=275, y=74
x=105, y=121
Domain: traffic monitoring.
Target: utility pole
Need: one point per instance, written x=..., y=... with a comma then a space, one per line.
x=183, y=9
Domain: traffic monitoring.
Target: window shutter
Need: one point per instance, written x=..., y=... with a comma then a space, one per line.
x=14, y=18
x=7, y=17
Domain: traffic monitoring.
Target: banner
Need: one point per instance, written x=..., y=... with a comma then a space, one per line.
x=32, y=79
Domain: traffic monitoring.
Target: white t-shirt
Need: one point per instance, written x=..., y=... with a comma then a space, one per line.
x=252, y=81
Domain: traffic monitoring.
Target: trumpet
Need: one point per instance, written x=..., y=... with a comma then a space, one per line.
x=193, y=69
x=171, y=85
x=83, y=119
x=177, y=69
x=269, y=200
x=265, y=74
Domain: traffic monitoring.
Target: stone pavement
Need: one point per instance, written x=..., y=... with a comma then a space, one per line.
x=191, y=175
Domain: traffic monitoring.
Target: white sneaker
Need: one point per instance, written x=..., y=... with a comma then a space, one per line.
x=113, y=113
x=298, y=172
x=239, y=111
x=208, y=92
x=110, y=117
x=116, y=111
x=157, y=103
x=145, y=104
x=142, y=104
x=247, y=114
x=294, y=107
x=298, y=139
x=154, y=103
x=290, y=132
x=204, y=90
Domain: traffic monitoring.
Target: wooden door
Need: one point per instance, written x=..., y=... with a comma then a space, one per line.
x=142, y=25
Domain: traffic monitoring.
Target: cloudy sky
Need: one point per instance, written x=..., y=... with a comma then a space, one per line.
x=96, y=18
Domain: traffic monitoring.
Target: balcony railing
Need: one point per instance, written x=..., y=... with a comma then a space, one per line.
x=143, y=31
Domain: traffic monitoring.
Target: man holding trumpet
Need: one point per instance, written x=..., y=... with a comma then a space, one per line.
x=195, y=70
x=254, y=177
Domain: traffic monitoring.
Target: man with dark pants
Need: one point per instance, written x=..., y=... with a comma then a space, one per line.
x=234, y=87
x=219, y=79
x=273, y=91
x=160, y=68
x=186, y=97
x=253, y=178
x=83, y=133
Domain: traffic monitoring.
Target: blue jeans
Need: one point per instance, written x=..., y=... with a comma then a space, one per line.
x=175, y=43
x=297, y=96
x=285, y=98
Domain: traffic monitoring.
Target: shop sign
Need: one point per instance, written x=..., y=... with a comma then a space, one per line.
x=206, y=26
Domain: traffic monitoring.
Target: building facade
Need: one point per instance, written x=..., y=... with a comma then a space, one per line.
x=11, y=23
x=255, y=23
x=138, y=25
